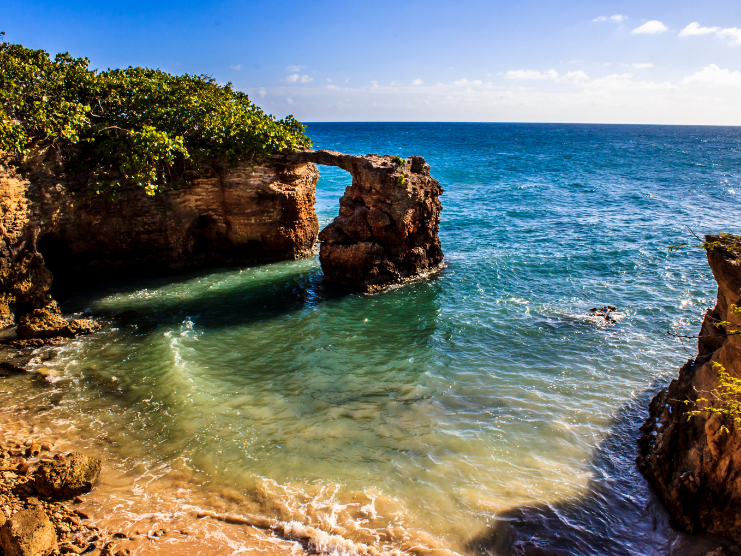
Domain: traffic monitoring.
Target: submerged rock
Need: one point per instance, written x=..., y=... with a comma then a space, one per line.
x=29, y=532
x=693, y=461
x=69, y=477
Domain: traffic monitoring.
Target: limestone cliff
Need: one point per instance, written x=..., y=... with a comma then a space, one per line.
x=387, y=228
x=694, y=462
x=241, y=215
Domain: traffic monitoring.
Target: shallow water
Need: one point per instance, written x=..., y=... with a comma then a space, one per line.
x=484, y=409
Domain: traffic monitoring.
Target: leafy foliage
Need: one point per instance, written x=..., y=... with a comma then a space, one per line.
x=726, y=398
x=401, y=180
x=133, y=125
x=399, y=161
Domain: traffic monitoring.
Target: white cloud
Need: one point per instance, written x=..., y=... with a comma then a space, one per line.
x=575, y=77
x=375, y=85
x=617, y=18
x=417, y=82
x=291, y=78
x=713, y=76
x=643, y=66
x=465, y=81
x=306, y=79
x=294, y=69
x=237, y=67
x=290, y=100
x=650, y=28
x=695, y=29
x=333, y=87
x=262, y=92
x=531, y=74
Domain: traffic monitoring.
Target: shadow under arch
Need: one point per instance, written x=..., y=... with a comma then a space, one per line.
x=618, y=516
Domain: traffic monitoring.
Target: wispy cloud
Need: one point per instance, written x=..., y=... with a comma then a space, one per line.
x=618, y=18
x=714, y=76
x=262, y=92
x=465, y=81
x=644, y=65
x=417, y=82
x=294, y=69
x=237, y=67
x=575, y=77
x=295, y=78
x=650, y=28
x=694, y=29
x=531, y=74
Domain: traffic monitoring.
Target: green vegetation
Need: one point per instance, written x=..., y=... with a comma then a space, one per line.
x=726, y=398
x=401, y=180
x=399, y=161
x=135, y=125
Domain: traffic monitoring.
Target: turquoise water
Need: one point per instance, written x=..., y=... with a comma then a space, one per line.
x=483, y=410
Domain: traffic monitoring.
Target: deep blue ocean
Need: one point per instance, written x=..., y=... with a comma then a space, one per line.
x=485, y=410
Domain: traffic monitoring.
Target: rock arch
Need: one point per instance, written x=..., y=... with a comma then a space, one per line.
x=386, y=231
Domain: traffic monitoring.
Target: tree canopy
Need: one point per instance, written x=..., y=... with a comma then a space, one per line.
x=133, y=125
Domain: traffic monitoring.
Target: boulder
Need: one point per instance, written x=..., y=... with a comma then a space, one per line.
x=28, y=533
x=46, y=322
x=68, y=477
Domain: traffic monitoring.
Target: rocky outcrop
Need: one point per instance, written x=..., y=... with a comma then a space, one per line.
x=52, y=228
x=387, y=228
x=694, y=462
x=71, y=476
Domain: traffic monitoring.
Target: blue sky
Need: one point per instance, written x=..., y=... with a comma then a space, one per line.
x=673, y=62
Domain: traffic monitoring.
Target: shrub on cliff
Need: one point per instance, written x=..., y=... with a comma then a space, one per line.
x=133, y=125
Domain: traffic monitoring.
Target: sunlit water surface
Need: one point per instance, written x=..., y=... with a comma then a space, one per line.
x=482, y=410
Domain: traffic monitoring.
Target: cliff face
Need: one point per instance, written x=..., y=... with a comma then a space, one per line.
x=693, y=462
x=387, y=228
x=242, y=215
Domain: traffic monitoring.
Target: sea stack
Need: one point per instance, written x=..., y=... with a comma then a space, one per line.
x=387, y=228
x=693, y=461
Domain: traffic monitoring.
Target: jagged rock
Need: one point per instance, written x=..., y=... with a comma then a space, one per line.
x=387, y=228
x=81, y=327
x=694, y=462
x=7, y=368
x=46, y=322
x=28, y=533
x=71, y=476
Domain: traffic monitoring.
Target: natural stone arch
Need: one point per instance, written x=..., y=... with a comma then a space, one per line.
x=387, y=228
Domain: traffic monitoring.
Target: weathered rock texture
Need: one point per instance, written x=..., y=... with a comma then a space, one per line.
x=28, y=533
x=68, y=477
x=49, y=223
x=387, y=228
x=694, y=464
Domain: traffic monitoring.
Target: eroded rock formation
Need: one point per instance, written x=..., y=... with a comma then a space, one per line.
x=241, y=215
x=385, y=233
x=387, y=228
x=694, y=462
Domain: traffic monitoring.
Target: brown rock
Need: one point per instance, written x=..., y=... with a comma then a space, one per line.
x=387, y=228
x=28, y=533
x=68, y=477
x=694, y=462
x=259, y=210
x=33, y=451
x=45, y=322
x=8, y=368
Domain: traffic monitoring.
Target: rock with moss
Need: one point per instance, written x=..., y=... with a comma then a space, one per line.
x=68, y=477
